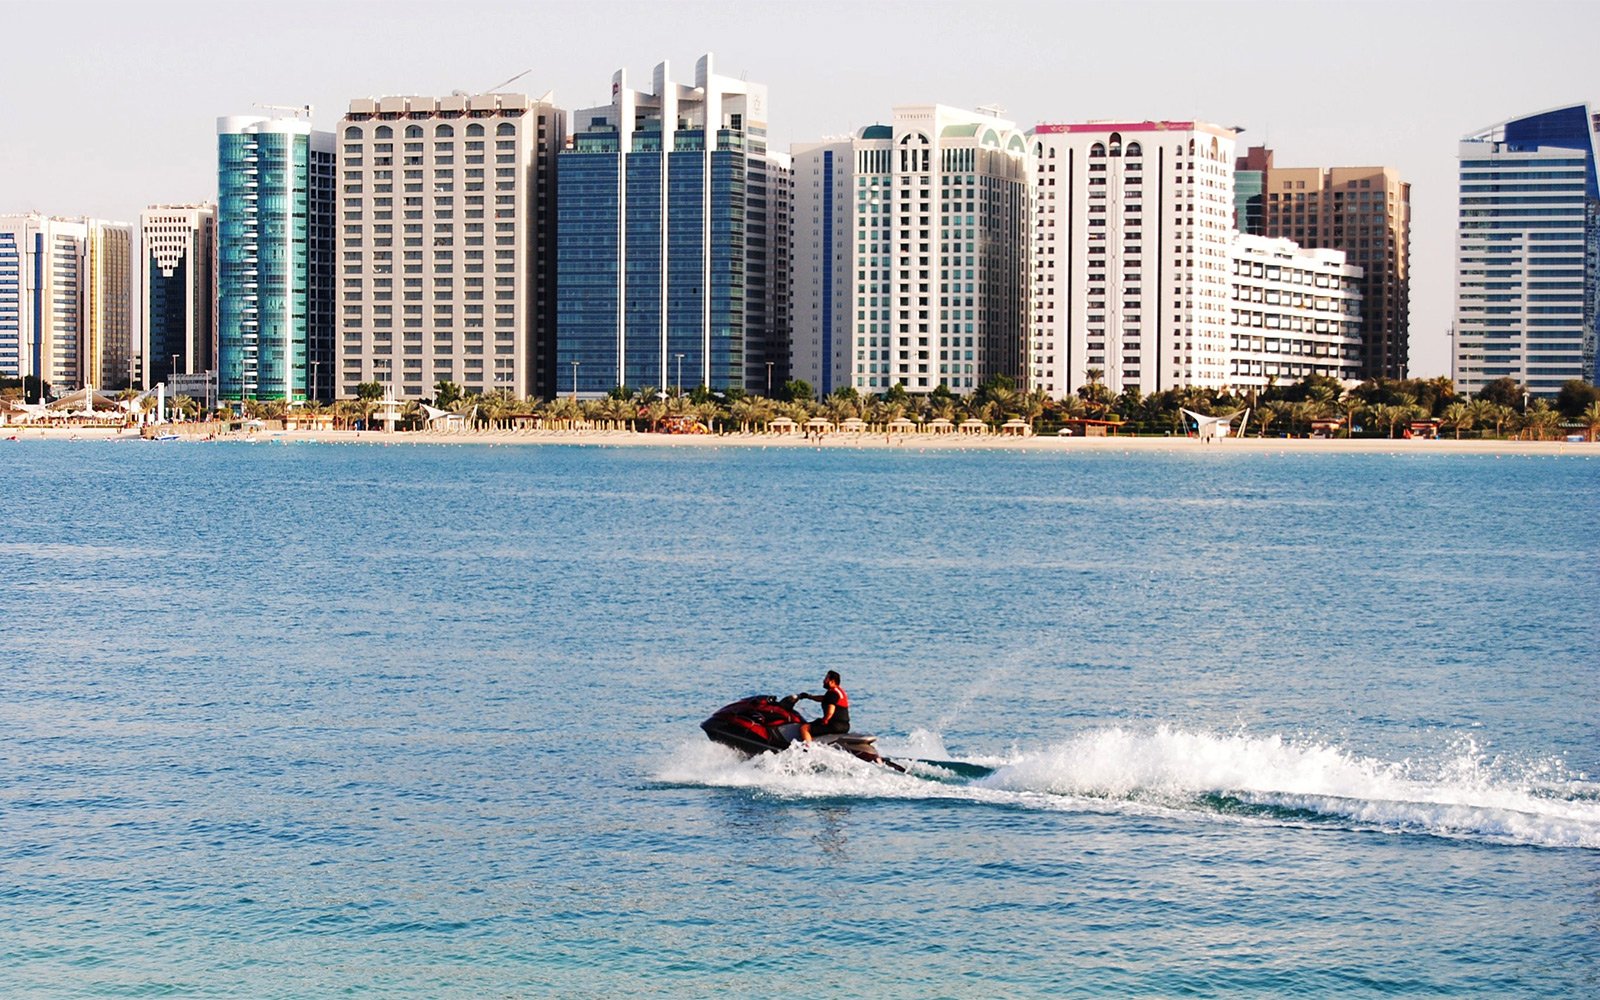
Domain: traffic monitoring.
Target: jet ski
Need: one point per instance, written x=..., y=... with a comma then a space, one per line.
x=764, y=724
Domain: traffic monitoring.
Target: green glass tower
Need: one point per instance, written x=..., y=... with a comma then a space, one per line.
x=275, y=197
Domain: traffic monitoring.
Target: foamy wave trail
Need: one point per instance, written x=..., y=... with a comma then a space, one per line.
x=1208, y=777
x=1462, y=794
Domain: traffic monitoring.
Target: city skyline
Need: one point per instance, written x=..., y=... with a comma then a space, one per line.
x=1358, y=96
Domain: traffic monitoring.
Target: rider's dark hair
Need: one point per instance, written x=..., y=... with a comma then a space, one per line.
x=833, y=675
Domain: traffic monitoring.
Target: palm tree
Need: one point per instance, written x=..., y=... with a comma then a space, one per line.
x=1006, y=400
x=1456, y=416
x=185, y=406
x=1386, y=416
x=1542, y=419
x=1266, y=413
x=1033, y=406
x=711, y=414
x=1500, y=415
x=1481, y=413
x=564, y=411
x=745, y=412
x=1591, y=421
x=838, y=409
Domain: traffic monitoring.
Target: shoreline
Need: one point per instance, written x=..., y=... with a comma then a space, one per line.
x=861, y=441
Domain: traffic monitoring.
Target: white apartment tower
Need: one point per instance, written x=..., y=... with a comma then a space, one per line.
x=65, y=303
x=1131, y=257
x=933, y=253
x=177, y=275
x=446, y=253
x=1294, y=312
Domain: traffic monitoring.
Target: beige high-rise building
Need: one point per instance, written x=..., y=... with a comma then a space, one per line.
x=1364, y=211
x=178, y=282
x=446, y=254
x=65, y=300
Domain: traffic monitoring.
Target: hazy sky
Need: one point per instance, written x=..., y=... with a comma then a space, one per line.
x=112, y=106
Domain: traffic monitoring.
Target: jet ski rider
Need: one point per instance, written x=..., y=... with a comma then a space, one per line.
x=835, y=709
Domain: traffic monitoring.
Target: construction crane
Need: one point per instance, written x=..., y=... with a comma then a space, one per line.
x=507, y=83
x=296, y=111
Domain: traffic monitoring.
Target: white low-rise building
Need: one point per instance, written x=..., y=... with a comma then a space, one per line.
x=1294, y=312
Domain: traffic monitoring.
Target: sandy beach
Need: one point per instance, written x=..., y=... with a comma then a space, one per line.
x=858, y=441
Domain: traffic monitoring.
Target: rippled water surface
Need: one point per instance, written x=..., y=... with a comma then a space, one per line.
x=290, y=720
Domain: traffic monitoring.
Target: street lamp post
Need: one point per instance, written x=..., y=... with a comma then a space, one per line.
x=769, y=380
x=575, y=364
x=680, y=373
x=314, y=380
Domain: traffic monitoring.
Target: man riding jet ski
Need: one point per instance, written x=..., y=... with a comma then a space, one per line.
x=764, y=724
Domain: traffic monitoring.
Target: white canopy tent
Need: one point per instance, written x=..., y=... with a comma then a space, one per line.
x=445, y=420
x=1208, y=428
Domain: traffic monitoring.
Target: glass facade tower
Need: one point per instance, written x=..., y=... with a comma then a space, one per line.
x=275, y=188
x=1527, y=244
x=665, y=266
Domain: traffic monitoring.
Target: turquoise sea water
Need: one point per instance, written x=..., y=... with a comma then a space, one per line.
x=312, y=720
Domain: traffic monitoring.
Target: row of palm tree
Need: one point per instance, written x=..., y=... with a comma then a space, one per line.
x=1382, y=407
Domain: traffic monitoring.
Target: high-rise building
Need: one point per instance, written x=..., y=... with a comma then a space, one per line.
x=275, y=204
x=822, y=328
x=1364, y=211
x=911, y=253
x=767, y=365
x=65, y=301
x=447, y=245
x=1294, y=312
x=1528, y=252
x=667, y=269
x=177, y=268
x=1132, y=255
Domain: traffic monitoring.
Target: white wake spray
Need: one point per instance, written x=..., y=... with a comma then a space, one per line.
x=1461, y=793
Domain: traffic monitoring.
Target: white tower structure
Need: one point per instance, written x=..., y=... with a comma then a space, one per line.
x=926, y=283
x=1131, y=258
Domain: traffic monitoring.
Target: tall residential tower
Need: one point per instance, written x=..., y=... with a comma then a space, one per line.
x=65, y=302
x=1528, y=252
x=1132, y=256
x=275, y=190
x=911, y=253
x=179, y=301
x=669, y=261
x=447, y=245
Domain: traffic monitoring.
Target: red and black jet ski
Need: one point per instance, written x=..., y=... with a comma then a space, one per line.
x=764, y=724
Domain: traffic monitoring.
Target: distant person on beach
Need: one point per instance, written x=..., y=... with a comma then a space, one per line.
x=835, y=709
